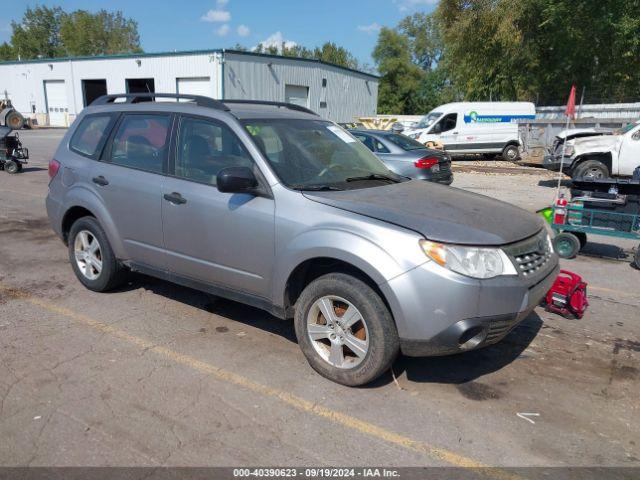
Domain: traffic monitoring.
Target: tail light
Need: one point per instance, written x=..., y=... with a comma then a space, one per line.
x=426, y=162
x=54, y=166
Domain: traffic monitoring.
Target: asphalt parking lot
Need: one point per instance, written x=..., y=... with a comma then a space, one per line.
x=156, y=374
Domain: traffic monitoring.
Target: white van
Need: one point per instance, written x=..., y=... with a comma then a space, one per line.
x=475, y=127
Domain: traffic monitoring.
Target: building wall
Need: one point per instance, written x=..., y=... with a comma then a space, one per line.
x=24, y=82
x=347, y=94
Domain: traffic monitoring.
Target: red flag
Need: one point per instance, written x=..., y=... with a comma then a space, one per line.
x=570, y=111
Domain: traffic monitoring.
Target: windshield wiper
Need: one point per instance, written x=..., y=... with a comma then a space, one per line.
x=373, y=176
x=315, y=188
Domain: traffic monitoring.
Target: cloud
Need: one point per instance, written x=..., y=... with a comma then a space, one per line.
x=405, y=5
x=372, y=28
x=243, y=31
x=276, y=40
x=216, y=16
x=223, y=30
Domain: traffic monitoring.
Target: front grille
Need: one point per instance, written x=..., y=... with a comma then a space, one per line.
x=531, y=254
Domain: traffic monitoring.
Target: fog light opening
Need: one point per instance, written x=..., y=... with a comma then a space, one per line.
x=472, y=337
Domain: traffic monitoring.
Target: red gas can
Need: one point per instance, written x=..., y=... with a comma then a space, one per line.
x=568, y=295
x=560, y=210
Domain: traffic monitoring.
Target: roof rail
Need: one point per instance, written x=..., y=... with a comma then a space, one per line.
x=199, y=100
x=290, y=106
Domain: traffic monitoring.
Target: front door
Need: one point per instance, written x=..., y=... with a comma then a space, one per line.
x=218, y=238
x=128, y=181
x=629, y=157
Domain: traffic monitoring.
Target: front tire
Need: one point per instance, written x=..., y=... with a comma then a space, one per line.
x=591, y=169
x=510, y=153
x=11, y=166
x=345, y=330
x=92, y=258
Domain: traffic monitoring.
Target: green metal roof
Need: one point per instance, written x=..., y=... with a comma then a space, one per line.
x=182, y=53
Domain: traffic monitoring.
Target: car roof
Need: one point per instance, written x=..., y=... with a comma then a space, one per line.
x=382, y=133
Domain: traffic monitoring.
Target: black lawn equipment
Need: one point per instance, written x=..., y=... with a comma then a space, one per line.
x=12, y=154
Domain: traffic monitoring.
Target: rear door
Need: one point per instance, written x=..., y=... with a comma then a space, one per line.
x=217, y=238
x=128, y=180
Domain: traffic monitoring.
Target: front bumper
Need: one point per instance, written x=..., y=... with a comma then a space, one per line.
x=552, y=162
x=439, y=312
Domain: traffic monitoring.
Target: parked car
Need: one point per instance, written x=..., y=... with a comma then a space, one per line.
x=270, y=205
x=487, y=128
x=599, y=156
x=407, y=157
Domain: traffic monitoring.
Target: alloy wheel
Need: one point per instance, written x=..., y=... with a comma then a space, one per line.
x=338, y=332
x=88, y=254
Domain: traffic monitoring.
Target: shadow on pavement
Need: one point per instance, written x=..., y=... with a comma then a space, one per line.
x=554, y=183
x=238, y=312
x=467, y=367
x=451, y=369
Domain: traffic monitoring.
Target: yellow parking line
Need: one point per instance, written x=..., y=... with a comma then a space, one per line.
x=287, y=398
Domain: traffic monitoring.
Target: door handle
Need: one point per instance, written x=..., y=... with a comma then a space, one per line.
x=100, y=180
x=455, y=133
x=175, y=198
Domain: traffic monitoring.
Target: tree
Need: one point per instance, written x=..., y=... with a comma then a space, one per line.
x=329, y=52
x=401, y=78
x=6, y=52
x=84, y=33
x=50, y=32
x=38, y=35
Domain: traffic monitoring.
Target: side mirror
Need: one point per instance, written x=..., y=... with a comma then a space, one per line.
x=236, y=180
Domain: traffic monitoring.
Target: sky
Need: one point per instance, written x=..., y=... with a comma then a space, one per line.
x=206, y=24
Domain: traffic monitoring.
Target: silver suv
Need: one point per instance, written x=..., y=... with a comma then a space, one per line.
x=268, y=204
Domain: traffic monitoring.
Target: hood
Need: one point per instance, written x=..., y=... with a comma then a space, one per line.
x=583, y=132
x=596, y=143
x=442, y=214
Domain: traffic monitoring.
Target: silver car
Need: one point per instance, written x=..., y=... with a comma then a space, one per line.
x=270, y=205
x=406, y=156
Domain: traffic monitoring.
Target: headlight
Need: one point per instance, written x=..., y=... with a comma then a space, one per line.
x=473, y=262
x=569, y=150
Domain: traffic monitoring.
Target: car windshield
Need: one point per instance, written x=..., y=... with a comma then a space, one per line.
x=316, y=154
x=428, y=120
x=404, y=142
x=629, y=127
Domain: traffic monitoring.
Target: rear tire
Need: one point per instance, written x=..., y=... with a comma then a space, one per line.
x=636, y=258
x=590, y=169
x=11, y=166
x=566, y=245
x=92, y=258
x=359, y=341
x=511, y=153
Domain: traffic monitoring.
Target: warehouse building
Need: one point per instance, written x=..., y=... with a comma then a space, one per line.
x=53, y=91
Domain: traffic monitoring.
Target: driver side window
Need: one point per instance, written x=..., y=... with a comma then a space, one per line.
x=141, y=142
x=448, y=122
x=204, y=148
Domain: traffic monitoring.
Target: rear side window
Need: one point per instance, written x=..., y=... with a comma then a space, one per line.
x=141, y=142
x=366, y=139
x=91, y=134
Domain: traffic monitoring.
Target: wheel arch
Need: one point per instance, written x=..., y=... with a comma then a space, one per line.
x=602, y=157
x=81, y=202
x=312, y=268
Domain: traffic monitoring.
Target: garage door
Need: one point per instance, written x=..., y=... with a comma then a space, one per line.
x=195, y=86
x=297, y=95
x=57, y=107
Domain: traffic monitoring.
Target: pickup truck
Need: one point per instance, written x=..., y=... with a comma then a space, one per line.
x=599, y=156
